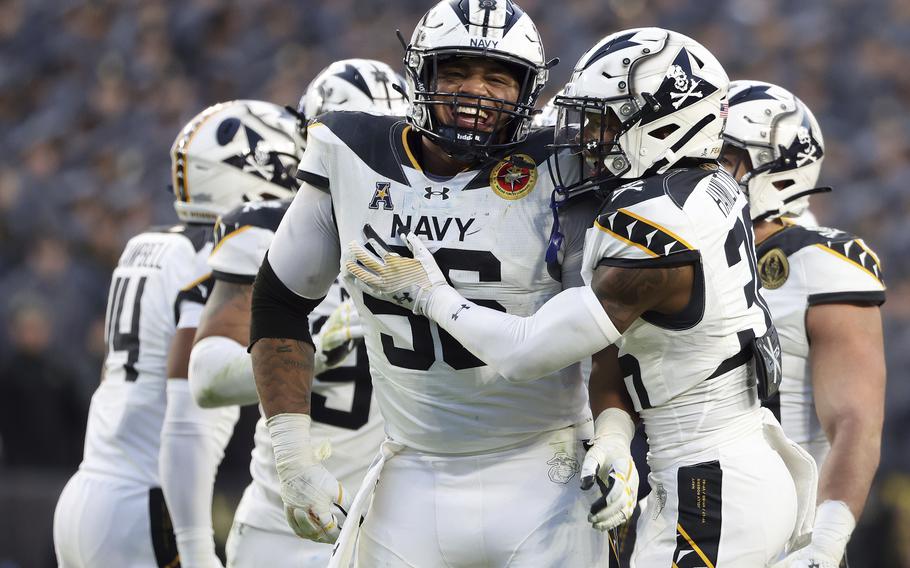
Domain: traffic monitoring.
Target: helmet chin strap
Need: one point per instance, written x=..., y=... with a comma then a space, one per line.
x=671, y=158
x=447, y=139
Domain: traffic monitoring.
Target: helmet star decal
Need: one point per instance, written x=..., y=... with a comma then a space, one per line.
x=618, y=43
x=755, y=93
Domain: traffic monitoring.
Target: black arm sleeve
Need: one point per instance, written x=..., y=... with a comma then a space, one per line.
x=277, y=312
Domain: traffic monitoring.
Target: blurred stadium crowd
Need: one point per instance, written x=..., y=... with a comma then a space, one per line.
x=93, y=92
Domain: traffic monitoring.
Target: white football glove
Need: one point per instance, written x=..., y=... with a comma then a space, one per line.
x=312, y=496
x=834, y=523
x=609, y=462
x=337, y=337
x=408, y=282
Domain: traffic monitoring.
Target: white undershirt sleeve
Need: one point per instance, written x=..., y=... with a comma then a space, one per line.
x=569, y=327
x=192, y=445
x=305, y=253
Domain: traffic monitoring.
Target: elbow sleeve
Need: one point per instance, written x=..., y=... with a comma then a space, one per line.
x=277, y=312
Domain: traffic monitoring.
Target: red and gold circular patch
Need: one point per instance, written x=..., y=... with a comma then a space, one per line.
x=514, y=177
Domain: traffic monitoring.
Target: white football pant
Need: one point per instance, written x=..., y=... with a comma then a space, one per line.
x=252, y=547
x=733, y=506
x=517, y=507
x=106, y=521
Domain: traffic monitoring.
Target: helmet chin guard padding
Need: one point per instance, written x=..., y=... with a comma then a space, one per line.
x=639, y=101
x=784, y=143
x=234, y=152
x=496, y=30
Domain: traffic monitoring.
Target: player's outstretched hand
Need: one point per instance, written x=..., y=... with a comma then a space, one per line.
x=313, y=499
x=609, y=463
x=338, y=336
x=389, y=276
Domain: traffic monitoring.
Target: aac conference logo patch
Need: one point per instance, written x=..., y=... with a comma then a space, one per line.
x=514, y=177
x=773, y=269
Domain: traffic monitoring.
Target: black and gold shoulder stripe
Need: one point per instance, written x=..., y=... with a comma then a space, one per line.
x=857, y=253
x=845, y=246
x=646, y=235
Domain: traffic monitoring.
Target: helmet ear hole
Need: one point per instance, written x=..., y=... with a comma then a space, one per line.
x=784, y=183
x=664, y=131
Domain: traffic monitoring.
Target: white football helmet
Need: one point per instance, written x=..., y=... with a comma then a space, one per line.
x=785, y=146
x=547, y=115
x=234, y=152
x=489, y=29
x=363, y=85
x=638, y=102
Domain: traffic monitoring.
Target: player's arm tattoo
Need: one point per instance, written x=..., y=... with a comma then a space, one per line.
x=284, y=375
x=627, y=293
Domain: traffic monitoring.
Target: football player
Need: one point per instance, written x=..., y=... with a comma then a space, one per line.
x=112, y=512
x=671, y=309
x=221, y=373
x=824, y=288
x=477, y=471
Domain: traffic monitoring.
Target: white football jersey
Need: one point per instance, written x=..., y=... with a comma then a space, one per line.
x=686, y=216
x=160, y=284
x=489, y=231
x=343, y=409
x=801, y=267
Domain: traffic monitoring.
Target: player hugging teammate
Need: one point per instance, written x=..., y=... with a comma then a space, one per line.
x=428, y=408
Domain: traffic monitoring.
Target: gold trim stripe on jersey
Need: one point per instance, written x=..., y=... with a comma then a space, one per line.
x=848, y=259
x=196, y=282
x=229, y=235
x=659, y=227
x=625, y=240
x=407, y=149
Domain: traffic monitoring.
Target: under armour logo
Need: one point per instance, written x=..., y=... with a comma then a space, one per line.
x=405, y=297
x=462, y=307
x=813, y=564
x=430, y=192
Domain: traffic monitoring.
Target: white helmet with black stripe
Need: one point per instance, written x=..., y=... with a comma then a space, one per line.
x=784, y=144
x=362, y=85
x=638, y=102
x=234, y=152
x=491, y=29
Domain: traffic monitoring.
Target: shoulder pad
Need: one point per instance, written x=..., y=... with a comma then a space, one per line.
x=677, y=184
x=262, y=214
x=375, y=139
x=242, y=237
x=637, y=238
x=839, y=244
x=197, y=292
